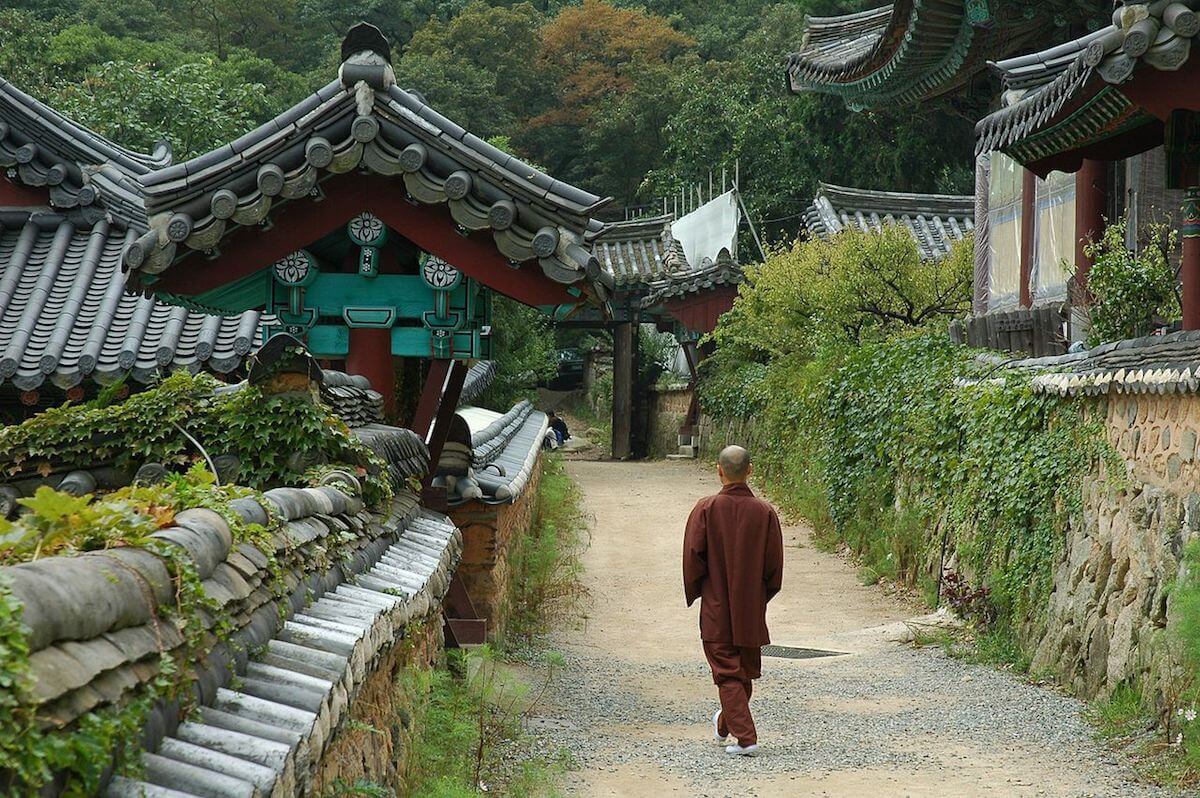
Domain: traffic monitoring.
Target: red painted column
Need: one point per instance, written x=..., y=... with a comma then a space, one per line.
x=1028, y=211
x=1190, y=267
x=1091, y=197
x=371, y=356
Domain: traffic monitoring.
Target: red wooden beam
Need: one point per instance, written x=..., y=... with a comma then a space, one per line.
x=439, y=400
x=21, y=196
x=300, y=222
x=445, y=412
x=699, y=312
x=1189, y=267
x=431, y=396
x=1091, y=197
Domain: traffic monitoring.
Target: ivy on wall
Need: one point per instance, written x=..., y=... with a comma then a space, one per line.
x=276, y=439
x=891, y=445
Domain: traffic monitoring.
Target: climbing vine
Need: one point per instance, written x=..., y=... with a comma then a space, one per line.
x=274, y=439
x=895, y=444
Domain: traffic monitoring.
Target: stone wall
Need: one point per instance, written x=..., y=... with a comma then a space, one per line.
x=488, y=533
x=668, y=409
x=1111, y=601
x=376, y=744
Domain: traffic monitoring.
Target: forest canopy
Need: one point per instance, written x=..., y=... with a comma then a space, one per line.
x=623, y=99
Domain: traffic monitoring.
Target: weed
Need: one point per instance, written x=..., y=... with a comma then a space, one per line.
x=544, y=566
x=470, y=718
x=361, y=788
x=1122, y=713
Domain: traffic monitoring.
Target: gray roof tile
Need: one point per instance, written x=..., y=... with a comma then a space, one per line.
x=65, y=316
x=935, y=221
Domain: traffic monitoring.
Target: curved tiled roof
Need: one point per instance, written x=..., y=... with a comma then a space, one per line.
x=644, y=257
x=935, y=221
x=724, y=271
x=907, y=51
x=65, y=315
x=363, y=121
x=1068, y=95
x=81, y=169
x=634, y=251
x=1153, y=364
x=504, y=448
x=479, y=378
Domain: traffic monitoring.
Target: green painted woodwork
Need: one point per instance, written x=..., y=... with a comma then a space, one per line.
x=1105, y=115
x=333, y=341
x=978, y=12
x=942, y=41
x=406, y=293
x=438, y=312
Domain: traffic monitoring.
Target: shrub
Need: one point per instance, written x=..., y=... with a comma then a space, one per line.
x=1133, y=290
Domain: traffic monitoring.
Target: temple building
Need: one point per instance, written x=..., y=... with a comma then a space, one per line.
x=360, y=221
x=1115, y=108
x=913, y=50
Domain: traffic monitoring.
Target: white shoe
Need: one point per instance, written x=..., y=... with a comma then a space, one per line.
x=749, y=750
x=717, y=728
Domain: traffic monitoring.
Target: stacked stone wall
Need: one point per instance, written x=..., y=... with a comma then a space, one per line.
x=668, y=410
x=1106, y=619
x=376, y=745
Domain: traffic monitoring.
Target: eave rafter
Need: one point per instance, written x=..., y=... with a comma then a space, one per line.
x=910, y=50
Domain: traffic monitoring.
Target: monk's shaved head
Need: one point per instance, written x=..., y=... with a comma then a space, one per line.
x=735, y=463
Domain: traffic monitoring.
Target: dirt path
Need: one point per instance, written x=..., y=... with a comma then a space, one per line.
x=882, y=720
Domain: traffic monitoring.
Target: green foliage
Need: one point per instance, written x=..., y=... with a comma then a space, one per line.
x=471, y=714
x=1133, y=290
x=904, y=433
x=523, y=348
x=544, y=566
x=275, y=438
x=623, y=99
x=1123, y=712
x=137, y=106
x=853, y=288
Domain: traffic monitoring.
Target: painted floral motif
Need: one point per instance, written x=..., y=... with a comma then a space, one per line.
x=366, y=228
x=292, y=268
x=439, y=274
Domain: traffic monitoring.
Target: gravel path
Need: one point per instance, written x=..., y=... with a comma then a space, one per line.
x=633, y=703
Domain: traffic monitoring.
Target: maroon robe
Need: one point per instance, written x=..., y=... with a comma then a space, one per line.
x=733, y=562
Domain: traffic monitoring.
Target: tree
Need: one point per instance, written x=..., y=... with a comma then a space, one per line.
x=523, y=348
x=135, y=105
x=596, y=50
x=1132, y=291
x=740, y=110
x=475, y=68
x=850, y=289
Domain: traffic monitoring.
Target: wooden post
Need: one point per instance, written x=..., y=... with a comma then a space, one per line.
x=431, y=396
x=440, y=430
x=1190, y=266
x=1028, y=212
x=371, y=356
x=1091, y=197
x=622, y=399
x=439, y=400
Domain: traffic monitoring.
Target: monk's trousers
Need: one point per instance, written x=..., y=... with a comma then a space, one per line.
x=733, y=668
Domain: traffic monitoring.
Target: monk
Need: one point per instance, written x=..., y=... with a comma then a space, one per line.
x=733, y=562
